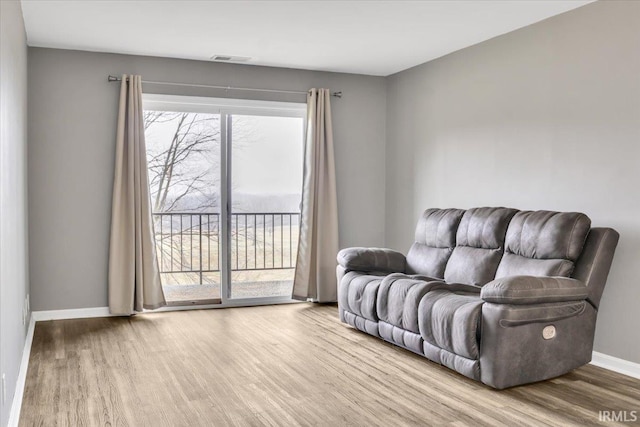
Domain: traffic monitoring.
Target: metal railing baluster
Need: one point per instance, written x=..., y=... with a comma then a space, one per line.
x=171, y=235
x=161, y=244
x=237, y=253
x=200, y=245
x=246, y=237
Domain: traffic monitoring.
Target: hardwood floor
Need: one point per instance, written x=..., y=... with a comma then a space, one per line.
x=281, y=365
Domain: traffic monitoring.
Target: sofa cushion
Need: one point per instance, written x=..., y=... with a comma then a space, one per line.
x=543, y=243
x=435, y=240
x=451, y=321
x=398, y=299
x=479, y=246
x=357, y=293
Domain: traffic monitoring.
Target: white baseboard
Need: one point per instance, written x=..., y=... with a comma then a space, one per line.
x=14, y=415
x=74, y=313
x=83, y=313
x=616, y=364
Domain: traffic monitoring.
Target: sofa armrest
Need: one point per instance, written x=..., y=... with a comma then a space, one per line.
x=533, y=290
x=372, y=259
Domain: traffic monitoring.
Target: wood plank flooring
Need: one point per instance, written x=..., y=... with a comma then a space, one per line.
x=284, y=365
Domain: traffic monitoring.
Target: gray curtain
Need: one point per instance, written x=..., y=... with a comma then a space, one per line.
x=134, y=278
x=315, y=275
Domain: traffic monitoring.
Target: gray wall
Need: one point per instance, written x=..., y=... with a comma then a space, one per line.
x=14, y=280
x=72, y=112
x=546, y=117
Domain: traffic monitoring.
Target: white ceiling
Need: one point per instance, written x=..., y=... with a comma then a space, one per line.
x=364, y=37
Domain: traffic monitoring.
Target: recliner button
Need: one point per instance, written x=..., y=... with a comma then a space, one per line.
x=549, y=332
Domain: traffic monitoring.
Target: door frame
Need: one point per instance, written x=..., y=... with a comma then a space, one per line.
x=226, y=108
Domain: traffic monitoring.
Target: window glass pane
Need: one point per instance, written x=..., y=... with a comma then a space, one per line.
x=266, y=184
x=183, y=155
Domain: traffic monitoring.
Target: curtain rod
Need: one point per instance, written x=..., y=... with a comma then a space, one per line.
x=297, y=92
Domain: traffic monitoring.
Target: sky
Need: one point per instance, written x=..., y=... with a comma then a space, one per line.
x=268, y=158
x=266, y=153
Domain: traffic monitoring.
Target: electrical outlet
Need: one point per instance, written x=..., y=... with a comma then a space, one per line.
x=4, y=389
x=28, y=305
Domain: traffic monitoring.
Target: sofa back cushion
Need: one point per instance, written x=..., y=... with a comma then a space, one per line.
x=479, y=246
x=435, y=240
x=543, y=243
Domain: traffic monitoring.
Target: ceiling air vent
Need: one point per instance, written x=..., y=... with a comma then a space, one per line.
x=230, y=58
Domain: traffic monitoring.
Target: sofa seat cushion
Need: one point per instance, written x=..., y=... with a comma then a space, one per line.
x=450, y=320
x=398, y=299
x=357, y=293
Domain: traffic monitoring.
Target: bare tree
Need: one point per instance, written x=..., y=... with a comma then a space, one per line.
x=173, y=164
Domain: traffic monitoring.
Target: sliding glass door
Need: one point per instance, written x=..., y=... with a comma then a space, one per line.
x=225, y=178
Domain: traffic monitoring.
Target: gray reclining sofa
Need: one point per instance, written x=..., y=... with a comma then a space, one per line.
x=502, y=296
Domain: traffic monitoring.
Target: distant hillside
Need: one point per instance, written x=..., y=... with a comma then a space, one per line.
x=245, y=202
x=242, y=202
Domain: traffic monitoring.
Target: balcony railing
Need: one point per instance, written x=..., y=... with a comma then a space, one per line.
x=191, y=242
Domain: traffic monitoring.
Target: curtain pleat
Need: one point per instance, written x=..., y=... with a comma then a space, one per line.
x=315, y=276
x=134, y=277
